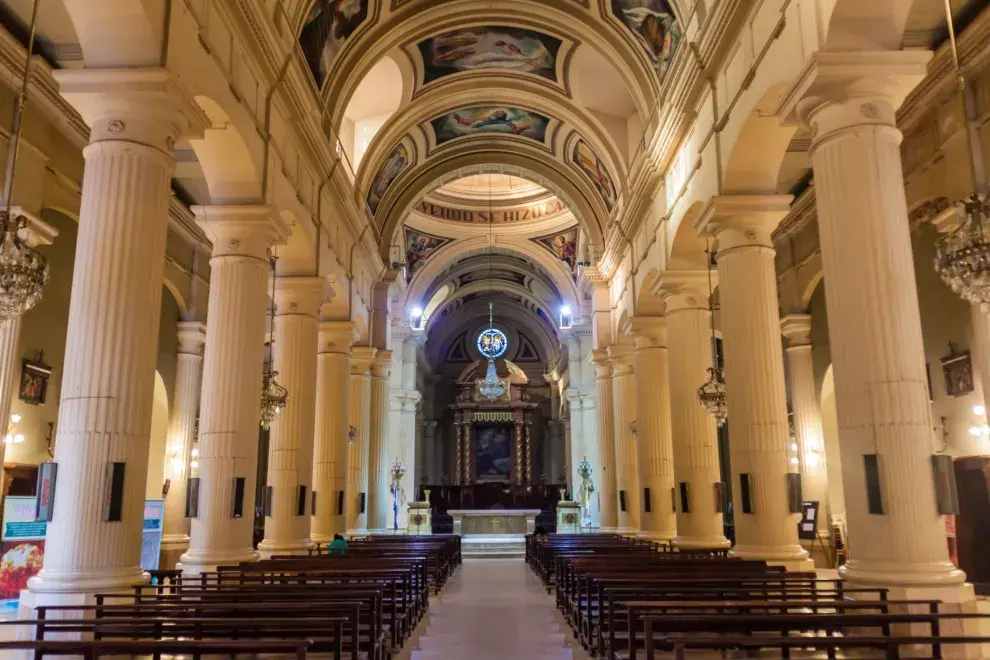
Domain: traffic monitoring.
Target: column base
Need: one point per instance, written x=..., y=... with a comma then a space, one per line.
x=702, y=542
x=172, y=549
x=791, y=557
x=194, y=562
x=316, y=539
x=269, y=548
x=894, y=574
x=656, y=536
x=606, y=530
x=360, y=531
x=626, y=531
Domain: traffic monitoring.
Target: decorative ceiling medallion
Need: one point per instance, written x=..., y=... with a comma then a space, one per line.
x=502, y=48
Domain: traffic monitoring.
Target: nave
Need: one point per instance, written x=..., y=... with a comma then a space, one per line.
x=493, y=609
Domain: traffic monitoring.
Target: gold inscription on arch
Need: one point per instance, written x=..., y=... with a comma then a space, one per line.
x=532, y=212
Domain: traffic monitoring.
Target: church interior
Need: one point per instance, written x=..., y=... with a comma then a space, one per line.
x=378, y=328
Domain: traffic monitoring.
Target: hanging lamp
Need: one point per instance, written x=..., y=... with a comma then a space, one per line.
x=23, y=270
x=274, y=397
x=712, y=393
x=962, y=258
x=492, y=343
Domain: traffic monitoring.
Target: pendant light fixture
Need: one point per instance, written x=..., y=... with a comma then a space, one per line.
x=712, y=393
x=962, y=258
x=23, y=270
x=492, y=343
x=274, y=397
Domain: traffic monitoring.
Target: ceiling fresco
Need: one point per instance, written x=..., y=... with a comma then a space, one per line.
x=586, y=160
x=490, y=119
x=397, y=160
x=328, y=26
x=563, y=245
x=653, y=24
x=504, y=48
x=418, y=248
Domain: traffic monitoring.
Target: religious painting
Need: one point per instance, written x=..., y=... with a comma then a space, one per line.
x=564, y=245
x=493, y=457
x=958, y=371
x=506, y=48
x=588, y=162
x=328, y=25
x=34, y=381
x=419, y=247
x=390, y=169
x=653, y=24
x=504, y=120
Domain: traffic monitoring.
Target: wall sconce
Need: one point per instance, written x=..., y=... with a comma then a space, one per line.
x=566, y=319
x=416, y=320
x=13, y=438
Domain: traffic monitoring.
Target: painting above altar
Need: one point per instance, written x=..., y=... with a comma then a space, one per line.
x=493, y=452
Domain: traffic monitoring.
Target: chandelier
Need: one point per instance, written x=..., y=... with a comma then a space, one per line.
x=492, y=343
x=274, y=397
x=23, y=270
x=962, y=258
x=712, y=393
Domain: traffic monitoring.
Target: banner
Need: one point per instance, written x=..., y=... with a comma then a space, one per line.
x=151, y=537
x=22, y=547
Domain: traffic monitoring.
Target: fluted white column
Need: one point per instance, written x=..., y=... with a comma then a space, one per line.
x=379, y=461
x=290, y=444
x=359, y=417
x=807, y=416
x=656, y=450
x=754, y=368
x=135, y=116
x=576, y=449
x=696, y=461
x=232, y=372
x=605, y=414
x=589, y=428
x=873, y=316
x=332, y=449
x=626, y=452
x=181, y=433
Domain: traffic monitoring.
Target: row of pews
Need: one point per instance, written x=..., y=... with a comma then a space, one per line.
x=363, y=604
x=628, y=598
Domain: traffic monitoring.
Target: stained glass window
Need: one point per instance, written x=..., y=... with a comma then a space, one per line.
x=492, y=343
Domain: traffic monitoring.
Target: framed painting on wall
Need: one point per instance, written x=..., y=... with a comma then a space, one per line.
x=958, y=371
x=34, y=381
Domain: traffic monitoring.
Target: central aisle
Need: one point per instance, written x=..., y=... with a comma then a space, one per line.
x=493, y=609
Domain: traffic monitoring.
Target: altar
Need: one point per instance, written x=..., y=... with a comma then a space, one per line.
x=498, y=522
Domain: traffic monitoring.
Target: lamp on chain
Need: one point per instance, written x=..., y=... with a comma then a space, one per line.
x=712, y=393
x=274, y=397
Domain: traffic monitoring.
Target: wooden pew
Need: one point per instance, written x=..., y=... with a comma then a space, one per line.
x=90, y=650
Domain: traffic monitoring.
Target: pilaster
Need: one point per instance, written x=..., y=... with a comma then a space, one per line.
x=626, y=453
x=359, y=417
x=379, y=461
x=605, y=414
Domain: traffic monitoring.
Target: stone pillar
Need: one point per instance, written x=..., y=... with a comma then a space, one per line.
x=362, y=357
x=379, y=462
x=626, y=458
x=232, y=372
x=107, y=386
x=290, y=446
x=656, y=450
x=433, y=453
x=755, y=391
x=332, y=447
x=981, y=352
x=589, y=427
x=181, y=433
x=807, y=417
x=849, y=100
x=459, y=447
x=696, y=461
x=576, y=446
x=606, y=486
x=407, y=454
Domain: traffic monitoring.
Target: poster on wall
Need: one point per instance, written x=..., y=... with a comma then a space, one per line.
x=151, y=535
x=22, y=548
x=22, y=544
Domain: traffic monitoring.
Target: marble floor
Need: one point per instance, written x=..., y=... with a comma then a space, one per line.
x=493, y=609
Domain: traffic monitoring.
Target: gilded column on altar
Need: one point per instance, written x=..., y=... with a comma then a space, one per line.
x=656, y=450
x=331, y=447
x=850, y=100
x=233, y=363
x=606, y=486
x=695, y=443
x=754, y=368
x=626, y=453
x=181, y=433
x=362, y=357
x=135, y=117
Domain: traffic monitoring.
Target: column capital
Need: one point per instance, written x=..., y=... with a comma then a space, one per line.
x=875, y=81
x=620, y=358
x=36, y=231
x=685, y=289
x=648, y=332
x=381, y=366
x=362, y=358
x=337, y=337
x=299, y=295
x=797, y=329
x=192, y=337
x=742, y=220
x=242, y=230
x=603, y=367
x=143, y=105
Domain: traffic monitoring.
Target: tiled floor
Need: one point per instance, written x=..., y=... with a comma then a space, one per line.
x=493, y=609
